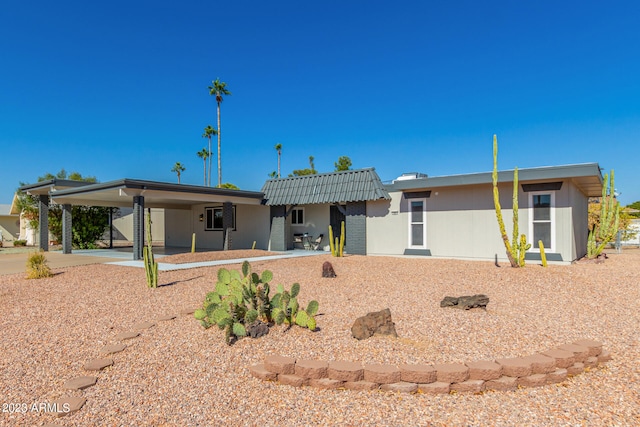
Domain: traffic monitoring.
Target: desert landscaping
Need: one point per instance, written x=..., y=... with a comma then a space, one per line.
x=173, y=372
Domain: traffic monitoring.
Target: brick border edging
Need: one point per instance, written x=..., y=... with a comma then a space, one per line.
x=548, y=367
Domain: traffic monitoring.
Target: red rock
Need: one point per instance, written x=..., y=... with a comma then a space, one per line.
x=419, y=374
x=290, y=379
x=469, y=386
x=580, y=352
x=260, y=372
x=541, y=364
x=515, y=367
x=557, y=376
x=345, y=371
x=503, y=383
x=563, y=358
x=325, y=383
x=451, y=372
x=312, y=369
x=605, y=356
x=595, y=347
x=382, y=374
x=400, y=387
x=535, y=380
x=591, y=362
x=575, y=369
x=361, y=385
x=484, y=370
x=280, y=364
x=434, y=388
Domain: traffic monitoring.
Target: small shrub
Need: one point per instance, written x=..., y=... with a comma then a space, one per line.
x=19, y=242
x=37, y=267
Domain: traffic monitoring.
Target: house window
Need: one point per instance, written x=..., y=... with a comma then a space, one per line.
x=297, y=216
x=417, y=223
x=541, y=220
x=213, y=218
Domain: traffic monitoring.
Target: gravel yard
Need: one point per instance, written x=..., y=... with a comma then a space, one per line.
x=179, y=374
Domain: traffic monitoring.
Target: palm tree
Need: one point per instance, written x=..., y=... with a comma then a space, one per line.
x=204, y=154
x=208, y=132
x=279, y=150
x=178, y=169
x=218, y=89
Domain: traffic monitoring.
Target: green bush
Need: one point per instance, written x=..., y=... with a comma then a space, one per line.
x=19, y=242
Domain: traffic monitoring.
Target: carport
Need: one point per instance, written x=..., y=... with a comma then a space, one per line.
x=139, y=194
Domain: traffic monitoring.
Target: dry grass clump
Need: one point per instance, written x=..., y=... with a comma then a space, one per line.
x=37, y=267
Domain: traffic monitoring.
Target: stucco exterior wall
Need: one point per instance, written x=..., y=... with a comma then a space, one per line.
x=252, y=223
x=461, y=222
x=123, y=225
x=9, y=227
x=316, y=222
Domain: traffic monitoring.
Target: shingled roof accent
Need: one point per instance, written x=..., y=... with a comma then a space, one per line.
x=335, y=187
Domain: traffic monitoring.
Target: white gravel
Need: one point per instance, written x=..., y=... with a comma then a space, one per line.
x=178, y=374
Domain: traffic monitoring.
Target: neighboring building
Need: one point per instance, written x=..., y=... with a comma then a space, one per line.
x=448, y=216
x=9, y=224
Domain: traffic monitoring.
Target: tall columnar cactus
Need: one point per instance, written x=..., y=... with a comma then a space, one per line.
x=150, y=264
x=543, y=256
x=496, y=202
x=605, y=230
x=337, y=246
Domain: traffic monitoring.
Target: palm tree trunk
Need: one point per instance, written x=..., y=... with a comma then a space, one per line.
x=205, y=171
x=278, y=163
x=209, y=179
x=219, y=164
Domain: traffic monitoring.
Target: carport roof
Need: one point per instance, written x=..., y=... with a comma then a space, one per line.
x=120, y=193
x=335, y=187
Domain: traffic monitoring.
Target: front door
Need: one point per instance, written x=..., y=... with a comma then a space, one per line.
x=335, y=220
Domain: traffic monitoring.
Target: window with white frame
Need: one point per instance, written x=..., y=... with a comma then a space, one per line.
x=213, y=218
x=542, y=220
x=297, y=216
x=418, y=223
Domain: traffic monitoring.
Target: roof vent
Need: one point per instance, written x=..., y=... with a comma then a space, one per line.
x=411, y=175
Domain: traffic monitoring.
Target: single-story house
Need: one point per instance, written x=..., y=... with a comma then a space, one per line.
x=9, y=224
x=447, y=216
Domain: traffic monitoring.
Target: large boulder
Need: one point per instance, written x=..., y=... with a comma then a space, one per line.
x=375, y=323
x=466, y=302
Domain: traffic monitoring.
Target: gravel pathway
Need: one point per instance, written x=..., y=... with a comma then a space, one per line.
x=178, y=374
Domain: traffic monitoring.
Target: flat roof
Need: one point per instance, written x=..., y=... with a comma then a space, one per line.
x=587, y=177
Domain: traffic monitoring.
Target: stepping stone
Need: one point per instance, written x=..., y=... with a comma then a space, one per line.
x=382, y=374
x=361, y=385
x=98, y=364
x=346, y=371
x=113, y=348
x=434, y=388
x=261, y=373
x=280, y=364
x=68, y=405
x=484, y=370
x=144, y=325
x=401, y=387
x=127, y=335
x=187, y=311
x=80, y=383
x=311, y=369
x=419, y=374
x=468, y=386
x=451, y=372
x=166, y=318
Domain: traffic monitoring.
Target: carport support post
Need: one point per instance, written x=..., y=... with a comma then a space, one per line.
x=227, y=224
x=43, y=221
x=67, y=236
x=138, y=226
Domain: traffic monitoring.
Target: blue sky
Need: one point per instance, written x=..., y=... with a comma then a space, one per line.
x=119, y=89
